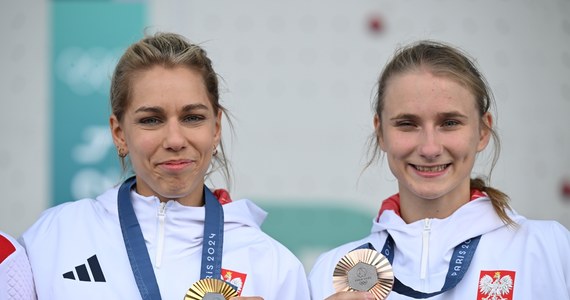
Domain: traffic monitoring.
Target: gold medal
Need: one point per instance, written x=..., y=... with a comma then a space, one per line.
x=364, y=270
x=210, y=289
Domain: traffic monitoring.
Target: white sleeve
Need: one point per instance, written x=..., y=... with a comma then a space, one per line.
x=562, y=240
x=16, y=281
x=294, y=285
x=320, y=277
x=290, y=280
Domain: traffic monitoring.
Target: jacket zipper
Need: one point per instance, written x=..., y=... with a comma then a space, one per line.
x=160, y=245
x=425, y=248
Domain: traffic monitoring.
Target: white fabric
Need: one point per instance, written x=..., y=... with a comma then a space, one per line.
x=16, y=282
x=66, y=235
x=537, y=251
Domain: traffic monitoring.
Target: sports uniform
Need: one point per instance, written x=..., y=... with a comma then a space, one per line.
x=16, y=281
x=77, y=251
x=531, y=261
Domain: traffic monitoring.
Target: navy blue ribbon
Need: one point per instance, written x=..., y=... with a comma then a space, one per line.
x=458, y=266
x=138, y=254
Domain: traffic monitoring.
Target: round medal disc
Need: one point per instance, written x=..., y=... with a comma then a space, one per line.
x=364, y=270
x=210, y=289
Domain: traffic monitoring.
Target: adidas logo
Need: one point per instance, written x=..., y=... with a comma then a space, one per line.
x=82, y=271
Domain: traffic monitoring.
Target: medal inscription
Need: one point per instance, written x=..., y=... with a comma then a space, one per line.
x=364, y=270
x=213, y=296
x=362, y=277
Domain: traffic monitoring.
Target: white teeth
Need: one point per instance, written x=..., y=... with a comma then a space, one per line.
x=431, y=169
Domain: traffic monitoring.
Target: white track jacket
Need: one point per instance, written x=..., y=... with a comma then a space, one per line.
x=534, y=258
x=76, y=251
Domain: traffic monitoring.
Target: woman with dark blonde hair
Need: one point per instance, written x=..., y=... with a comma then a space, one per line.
x=444, y=235
x=163, y=234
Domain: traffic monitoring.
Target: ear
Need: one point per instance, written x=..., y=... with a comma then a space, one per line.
x=378, y=132
x=118, y=134
x=485, y=131
x=218, y=128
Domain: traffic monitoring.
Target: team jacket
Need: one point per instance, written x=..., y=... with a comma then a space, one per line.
x=76, y=251
x=16, y=282
x=529, y=262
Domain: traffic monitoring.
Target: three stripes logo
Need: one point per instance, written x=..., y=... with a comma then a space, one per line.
x=82, y=271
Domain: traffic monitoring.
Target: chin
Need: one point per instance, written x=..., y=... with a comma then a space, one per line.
x=428, y=194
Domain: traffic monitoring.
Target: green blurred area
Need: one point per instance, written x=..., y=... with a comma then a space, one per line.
x=87, y=38
x=309, y=230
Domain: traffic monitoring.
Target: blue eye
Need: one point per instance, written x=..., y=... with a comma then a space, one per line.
x=405, y=124
x=194, y=118
x=149, y=121
x=450, y=123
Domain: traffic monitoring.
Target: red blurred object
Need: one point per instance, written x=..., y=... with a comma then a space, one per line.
x=376, y=24
x=565, y=190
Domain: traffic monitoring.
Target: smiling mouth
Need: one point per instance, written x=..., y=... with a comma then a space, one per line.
x=432, y=168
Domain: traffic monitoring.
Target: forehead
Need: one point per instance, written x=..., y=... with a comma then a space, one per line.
x=421, y=90
x=161, y=86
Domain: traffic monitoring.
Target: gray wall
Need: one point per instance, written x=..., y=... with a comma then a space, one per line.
x=24, y=123
x=299, y=79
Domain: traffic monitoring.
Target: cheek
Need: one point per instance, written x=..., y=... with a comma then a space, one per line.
x=142, y=143
x=398, y=145
x=202, y=140
x=462, y=147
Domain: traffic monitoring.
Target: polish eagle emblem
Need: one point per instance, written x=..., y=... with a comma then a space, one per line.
x=496, y=287
x=237, y=282
x=237, y=279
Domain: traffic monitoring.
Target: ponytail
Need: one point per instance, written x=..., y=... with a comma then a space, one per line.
x=499, y=199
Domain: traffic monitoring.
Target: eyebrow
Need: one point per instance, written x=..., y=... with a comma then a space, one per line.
x=452, y=114
x=404, y=117
x=444, y=115
x=191, y=107
x=159, y=110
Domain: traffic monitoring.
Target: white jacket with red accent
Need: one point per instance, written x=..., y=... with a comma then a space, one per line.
x=76, y=251
x=16, y=282
x=535, y=256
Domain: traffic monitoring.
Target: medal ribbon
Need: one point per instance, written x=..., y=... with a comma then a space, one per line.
x=138, y=253
x=458, y=266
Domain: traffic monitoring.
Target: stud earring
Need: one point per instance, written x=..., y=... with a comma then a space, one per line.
x=121, y=153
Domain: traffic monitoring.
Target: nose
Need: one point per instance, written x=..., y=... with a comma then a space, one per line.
x=174, y=139
x=430, y=146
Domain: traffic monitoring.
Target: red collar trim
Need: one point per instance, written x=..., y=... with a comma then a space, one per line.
x=6, y=248
x=223, y=196
x=393, y=202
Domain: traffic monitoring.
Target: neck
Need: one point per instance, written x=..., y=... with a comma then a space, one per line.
x=414, y=208
x=194, y=197
x=186, y=201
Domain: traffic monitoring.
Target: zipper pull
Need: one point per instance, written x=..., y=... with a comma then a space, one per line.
x=162, y=210
x=427, y=225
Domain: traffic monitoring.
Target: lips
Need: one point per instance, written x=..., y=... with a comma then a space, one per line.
x=175, y=165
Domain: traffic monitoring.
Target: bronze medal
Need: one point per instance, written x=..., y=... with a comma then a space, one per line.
x=364, y=270
x=210, y=289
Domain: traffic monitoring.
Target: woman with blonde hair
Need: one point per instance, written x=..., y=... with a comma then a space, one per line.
x=163, y=234
x=444, y=235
